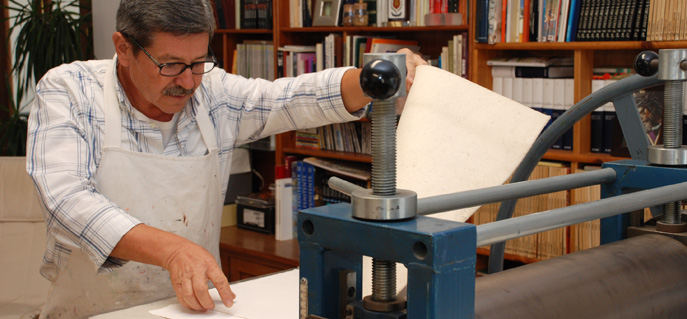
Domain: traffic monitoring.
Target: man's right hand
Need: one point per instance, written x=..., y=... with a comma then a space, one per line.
x=190, y=265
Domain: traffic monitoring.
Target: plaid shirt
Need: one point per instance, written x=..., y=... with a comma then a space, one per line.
x=66, y=135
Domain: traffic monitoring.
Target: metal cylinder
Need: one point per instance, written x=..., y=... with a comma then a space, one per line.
x=641, y=277
x=383, y=280
x=384, y=147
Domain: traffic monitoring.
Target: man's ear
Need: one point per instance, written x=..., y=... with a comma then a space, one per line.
x=122, y=48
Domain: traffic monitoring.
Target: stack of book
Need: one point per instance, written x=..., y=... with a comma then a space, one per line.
x=243, y=14
x=454, y=56
x=539, y=246
x=254, y=59
x=351, y=137
x=301, y=11
x=310, y=177
x=543, y=84
x=580, y=20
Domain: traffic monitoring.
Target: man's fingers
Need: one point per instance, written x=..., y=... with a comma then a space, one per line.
x=189, y=296
x=201, y=294
x=180, y=295
x=222, y=284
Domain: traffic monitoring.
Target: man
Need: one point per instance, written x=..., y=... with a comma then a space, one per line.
x=131, y=157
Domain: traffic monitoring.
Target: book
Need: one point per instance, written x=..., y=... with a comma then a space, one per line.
x=537, y=94
x=547, y=99
x=229, y=11
x=249, y=14
x=529, y=61
x=573, y=20
x=482, y=21
x=610, y=119
x=340, y=167
x=568, y=102
x=544, y=72
x=558, y=105
x=596, y=130
x=219, y=14
x=284, y=222
x=263, y=10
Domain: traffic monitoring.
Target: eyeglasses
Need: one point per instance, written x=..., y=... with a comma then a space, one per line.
x=176, y=68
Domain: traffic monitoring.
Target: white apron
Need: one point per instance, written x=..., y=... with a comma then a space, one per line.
x=181, y=195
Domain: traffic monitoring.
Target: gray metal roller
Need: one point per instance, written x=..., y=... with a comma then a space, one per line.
x=641, y=277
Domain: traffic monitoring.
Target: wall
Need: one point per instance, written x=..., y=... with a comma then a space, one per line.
x=104, y=12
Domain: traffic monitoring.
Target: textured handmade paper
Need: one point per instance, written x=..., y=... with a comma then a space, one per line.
x=455, y=135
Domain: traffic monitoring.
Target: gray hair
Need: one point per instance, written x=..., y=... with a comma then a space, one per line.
x=141, y=19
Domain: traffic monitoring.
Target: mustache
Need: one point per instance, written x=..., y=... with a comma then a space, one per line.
x=177, y=91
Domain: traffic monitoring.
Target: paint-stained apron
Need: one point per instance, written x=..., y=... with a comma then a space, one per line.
x=181, y=195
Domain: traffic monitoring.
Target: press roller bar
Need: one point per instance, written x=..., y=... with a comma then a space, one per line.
x=641, y=277
x=447, y=202
x=442, y=203
x=503, y=230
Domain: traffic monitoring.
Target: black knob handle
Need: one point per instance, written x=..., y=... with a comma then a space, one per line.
x=646, y=63
x=380, y=79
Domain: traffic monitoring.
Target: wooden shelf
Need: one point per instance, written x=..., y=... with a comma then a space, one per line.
x=587, y=158
x=246, y=253
x=244, y=31
x=596, y=46
x=377, y=29
x=363, y=158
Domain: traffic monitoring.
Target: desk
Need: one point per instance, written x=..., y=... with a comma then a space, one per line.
x=245, y=253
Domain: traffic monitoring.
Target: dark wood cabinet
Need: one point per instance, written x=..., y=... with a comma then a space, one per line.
x=245, y=254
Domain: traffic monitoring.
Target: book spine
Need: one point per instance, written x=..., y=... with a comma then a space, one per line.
x=302, y=188
x=310, y=182
x=643, y=30
x=558, y=106
x=547, y=99
x=482, y=20
x=465, y=55
x=537, y=94
x=596, y=136
x=219, y=14
x=597, y=123
x=534, y=21
x=637, y=9
x=608, y=127
x=573, y=18
x=531, y=72
x=568, y=101
x=581, y=32
x=280, y=63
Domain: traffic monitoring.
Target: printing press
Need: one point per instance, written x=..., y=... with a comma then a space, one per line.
x=637, y=272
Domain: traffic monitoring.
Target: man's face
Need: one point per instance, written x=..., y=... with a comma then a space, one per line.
x=166, y=94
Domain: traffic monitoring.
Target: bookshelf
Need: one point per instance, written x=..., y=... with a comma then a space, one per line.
x=586, y=56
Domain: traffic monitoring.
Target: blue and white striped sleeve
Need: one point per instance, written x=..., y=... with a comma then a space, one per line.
x=63, y=143
x=261, y=108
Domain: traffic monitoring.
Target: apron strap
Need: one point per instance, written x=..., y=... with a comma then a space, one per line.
x=113, y=115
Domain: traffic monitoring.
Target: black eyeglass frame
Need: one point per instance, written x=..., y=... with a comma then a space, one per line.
x=186, y=66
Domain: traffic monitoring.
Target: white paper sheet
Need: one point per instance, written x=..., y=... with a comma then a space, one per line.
x=455, y=135
x=274, y=296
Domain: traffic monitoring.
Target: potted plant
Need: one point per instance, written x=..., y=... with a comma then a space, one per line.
x=48, y=34
x=13, y=128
